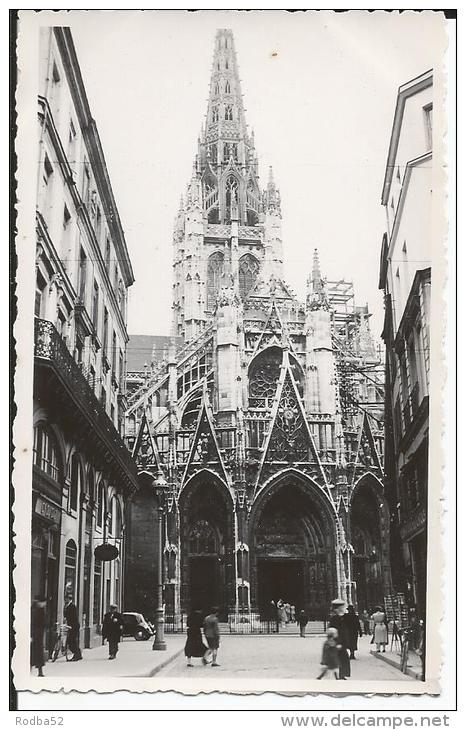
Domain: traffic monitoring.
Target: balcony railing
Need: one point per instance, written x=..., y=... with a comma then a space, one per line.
x=49, y=346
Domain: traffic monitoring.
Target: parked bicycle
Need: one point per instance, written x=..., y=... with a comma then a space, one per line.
x=61, y=644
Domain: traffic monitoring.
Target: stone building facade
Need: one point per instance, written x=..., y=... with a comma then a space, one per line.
x=82, y=472
x=267, y=422
x=405, y=276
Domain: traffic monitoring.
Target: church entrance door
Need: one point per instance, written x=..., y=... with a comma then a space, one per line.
x=207, y=548
x=280, y=579
x=292, y=538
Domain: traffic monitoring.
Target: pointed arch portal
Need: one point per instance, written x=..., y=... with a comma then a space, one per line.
x=292, y=539
x=207, y=545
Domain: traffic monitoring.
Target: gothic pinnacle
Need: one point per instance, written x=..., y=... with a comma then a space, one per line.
x=316, y=275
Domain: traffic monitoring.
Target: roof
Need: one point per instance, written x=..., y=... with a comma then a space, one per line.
x=404, y=92
x=141, y=349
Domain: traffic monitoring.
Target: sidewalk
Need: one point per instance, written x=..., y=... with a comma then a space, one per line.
x=134, y=659
x=414, y=667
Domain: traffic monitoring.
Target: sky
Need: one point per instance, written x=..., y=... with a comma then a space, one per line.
x=319, y=90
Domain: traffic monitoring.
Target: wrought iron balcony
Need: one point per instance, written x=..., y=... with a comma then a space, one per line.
x=50, y=348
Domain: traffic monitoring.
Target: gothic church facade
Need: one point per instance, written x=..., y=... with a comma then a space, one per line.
x=266, y=423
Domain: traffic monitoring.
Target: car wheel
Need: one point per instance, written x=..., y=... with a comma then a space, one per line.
x=140, y=635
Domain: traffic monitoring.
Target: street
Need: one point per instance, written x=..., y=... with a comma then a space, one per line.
x=279, y=657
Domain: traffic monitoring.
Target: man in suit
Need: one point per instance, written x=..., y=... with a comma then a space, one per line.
x=72, y=621
x=112, y=630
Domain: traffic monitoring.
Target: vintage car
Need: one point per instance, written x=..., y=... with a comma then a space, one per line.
x=134, y=624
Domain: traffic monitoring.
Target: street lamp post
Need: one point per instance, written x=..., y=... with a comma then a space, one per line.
x=160, y=486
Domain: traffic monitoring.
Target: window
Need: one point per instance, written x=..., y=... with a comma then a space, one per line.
x=75, y=483
x=82, y=274
x=228, y=112
x=100, y=505
x=231, y=195
x=227, y=88
x=202, y=539
x=215, y=114
x=98, y=224
x=263, y=378
x=86, y=184
x=121, y=370
x=71, y=556
x=226, y=64
x=39, y=297
x=47, y=179
x=105, y=333
x=428, y=124
x=248, y=271
x=214, y=274
x=45, y=451
x=97, y=590
x=114, y=353
x=95, y=305
x=216, y=89
x=107, y=254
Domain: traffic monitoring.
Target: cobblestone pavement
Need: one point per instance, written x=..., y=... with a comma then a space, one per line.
x=281, y=657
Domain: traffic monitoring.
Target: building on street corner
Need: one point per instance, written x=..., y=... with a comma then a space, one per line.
x=405, y=277
x=83, y=473
x=267, y=422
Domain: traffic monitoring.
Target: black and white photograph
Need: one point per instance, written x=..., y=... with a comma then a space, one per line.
x=231, y=234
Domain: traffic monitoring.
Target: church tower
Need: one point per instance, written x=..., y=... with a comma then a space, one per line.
x=266, y=423
x=227, y=230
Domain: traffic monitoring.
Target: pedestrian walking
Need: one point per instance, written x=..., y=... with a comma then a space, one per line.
x=365, y=621
x=71, y=619
x=330, y=654
x=194, y=646
x=273, y=611
x=112, y=630
x=354, y=628
x=292, y=613
x=212, y=635
x=37, y=633
x=380, y=637
x=302, y=621
x=339, y=621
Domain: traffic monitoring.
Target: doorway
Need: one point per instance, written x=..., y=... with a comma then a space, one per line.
x=203, y=583
x=280, y=579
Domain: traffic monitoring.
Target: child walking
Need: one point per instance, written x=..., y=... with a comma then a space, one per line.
x=330, y=661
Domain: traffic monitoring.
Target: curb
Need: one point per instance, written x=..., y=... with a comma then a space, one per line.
x=388, y=660
x=166, y=661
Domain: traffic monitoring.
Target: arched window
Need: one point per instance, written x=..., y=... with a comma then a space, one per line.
x=228, y=112
x=75, y=483
x=191, y=411
x=248, y=271
x=71, y=556
x=213, y=153
x=263, y=378
x=46, y=451
x=216, y=89
x=227, y=88
x=215, y=114
x=214, y=274
x=226, y=64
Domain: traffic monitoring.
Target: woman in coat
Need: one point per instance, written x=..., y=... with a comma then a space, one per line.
x=380, y=628
x=194, y=646
x=281, y=612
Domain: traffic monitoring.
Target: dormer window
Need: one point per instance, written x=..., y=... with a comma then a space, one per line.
x=229, y=113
